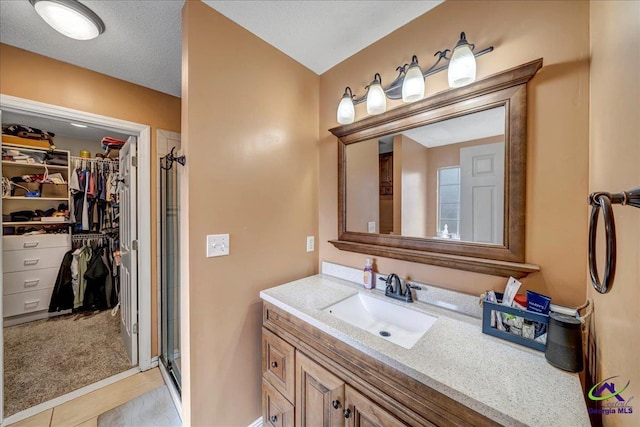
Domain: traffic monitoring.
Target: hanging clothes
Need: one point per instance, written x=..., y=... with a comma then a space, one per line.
x=88, y=278
x=95, y=297
x=94, y=186
x=62, y=296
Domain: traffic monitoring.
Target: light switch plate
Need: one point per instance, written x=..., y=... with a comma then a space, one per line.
x=310, y=243
x=217, y=245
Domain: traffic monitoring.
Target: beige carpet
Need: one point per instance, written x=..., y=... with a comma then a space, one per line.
x=48, y=358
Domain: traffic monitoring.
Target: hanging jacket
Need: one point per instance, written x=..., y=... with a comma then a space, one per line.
x=94, y=294
x=62, y=296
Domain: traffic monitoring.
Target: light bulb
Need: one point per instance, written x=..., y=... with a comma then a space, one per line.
x=462, y=67
x=376, y=98
x=346, y=111
x=413, y=84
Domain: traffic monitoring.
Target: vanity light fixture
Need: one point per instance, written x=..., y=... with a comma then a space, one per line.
x=70, y=18
x=346, y=110
x=413, y=84
x=376, y=99
x=462, y=65
x=409, y=85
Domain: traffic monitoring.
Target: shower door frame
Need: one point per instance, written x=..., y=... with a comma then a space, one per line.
x=164, y=143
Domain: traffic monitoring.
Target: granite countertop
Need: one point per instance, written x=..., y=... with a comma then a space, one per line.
x=510, y=384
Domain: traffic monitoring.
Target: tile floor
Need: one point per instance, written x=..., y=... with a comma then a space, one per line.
x=84, y=411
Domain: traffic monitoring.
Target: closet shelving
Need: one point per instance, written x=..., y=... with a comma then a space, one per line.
x=31, y=262
x=13, y=203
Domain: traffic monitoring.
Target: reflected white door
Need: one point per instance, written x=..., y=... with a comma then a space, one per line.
x=128, y=250
x=482, y=193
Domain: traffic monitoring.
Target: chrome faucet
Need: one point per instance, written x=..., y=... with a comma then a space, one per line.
x=396, y=292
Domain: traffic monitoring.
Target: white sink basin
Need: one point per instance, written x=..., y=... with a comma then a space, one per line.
x=400, y=325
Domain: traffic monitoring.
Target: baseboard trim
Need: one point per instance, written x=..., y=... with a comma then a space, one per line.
x=256, y=423
x=67, y=397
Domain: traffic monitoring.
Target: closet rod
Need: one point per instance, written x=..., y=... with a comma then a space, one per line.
x=91, y=236
x=85, y=159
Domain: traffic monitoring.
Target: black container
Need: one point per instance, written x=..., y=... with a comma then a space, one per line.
x=564, y=342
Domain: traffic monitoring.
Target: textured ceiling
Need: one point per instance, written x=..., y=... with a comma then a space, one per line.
x=142, y=41
x=321, y=34
x=141, y=44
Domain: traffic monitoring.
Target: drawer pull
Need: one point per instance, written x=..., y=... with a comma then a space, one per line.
x=30, y=244
x=335, y=404
x=31, y=283
x=273, y=418
x=31, y=304
x=31, y=261
x=274, y=364
x=347, y=413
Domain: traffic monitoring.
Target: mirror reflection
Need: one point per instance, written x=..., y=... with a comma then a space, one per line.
x=444, y=180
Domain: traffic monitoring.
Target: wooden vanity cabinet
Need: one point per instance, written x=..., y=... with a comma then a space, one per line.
x=319, y=396
x=337, y=385
x=362, y=412
x=277, y=411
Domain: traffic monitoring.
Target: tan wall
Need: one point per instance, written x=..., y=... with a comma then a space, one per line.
x=250, y=134
x=557, y=151
x=614, y=159
x=363, y=186
x=414, y=187
x=28, y=75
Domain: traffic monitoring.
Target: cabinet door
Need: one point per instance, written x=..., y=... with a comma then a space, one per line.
x=276, y=410
x=362, y=412
x=319, y=395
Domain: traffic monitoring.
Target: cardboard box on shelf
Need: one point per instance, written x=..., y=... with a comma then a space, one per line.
x=55, y=190
x=25, y=142
x=24, y=187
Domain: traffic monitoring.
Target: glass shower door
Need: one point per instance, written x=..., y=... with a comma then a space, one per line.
x=170, y=274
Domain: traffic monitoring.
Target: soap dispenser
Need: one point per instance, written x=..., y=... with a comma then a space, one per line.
x=367, y=280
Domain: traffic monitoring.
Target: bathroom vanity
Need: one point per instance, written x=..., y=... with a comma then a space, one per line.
x=321, y=370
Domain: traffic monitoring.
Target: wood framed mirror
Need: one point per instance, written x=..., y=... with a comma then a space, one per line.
x=441, y=181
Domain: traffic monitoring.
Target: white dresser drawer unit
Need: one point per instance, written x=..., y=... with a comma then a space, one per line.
x=26, y=302
x=32, y=259
x=37, y=241
x=26, y=281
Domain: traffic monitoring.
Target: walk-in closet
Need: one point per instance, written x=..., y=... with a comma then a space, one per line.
x=65, y=209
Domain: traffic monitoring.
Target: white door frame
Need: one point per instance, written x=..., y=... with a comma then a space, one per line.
x=143, y=132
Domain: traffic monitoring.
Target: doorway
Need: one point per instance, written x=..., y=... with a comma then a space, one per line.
x=139, y=326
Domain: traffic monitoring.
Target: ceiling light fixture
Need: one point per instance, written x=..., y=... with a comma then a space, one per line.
x=70, y=17
x=409, y=85
x=78, y=125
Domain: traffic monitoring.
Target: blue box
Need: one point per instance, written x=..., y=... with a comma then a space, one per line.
x=488, y=307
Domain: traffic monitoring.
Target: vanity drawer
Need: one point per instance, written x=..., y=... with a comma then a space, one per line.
x=26, y=302
x=37, y=241
x=278, y=364
x=276, y=410
x=25, y=281
x=32, y=259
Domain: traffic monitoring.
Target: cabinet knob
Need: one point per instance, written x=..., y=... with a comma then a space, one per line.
x=273, y=418
x=347, y=413
x=274, y=364
x=335, y=404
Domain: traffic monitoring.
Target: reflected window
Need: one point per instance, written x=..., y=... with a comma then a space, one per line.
x=449, y=202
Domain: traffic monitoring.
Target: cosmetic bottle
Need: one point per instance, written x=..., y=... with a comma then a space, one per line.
x=368, y=274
